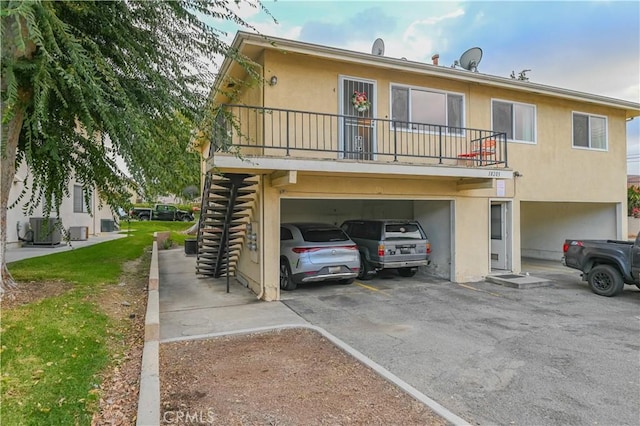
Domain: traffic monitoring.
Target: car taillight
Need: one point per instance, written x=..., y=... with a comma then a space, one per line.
x=428, y=248
x=304, y=249
x=381, y=250
x=565, y=246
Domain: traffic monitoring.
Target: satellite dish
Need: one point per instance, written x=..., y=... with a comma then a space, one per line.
x=470, y=59
x=378, y=47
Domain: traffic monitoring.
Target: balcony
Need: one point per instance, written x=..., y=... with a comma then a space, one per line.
x=257, y=139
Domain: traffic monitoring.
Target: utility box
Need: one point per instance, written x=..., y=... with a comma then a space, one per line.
x=46, y=231
x=191, y=247
x=107, y=225
x=78, y=233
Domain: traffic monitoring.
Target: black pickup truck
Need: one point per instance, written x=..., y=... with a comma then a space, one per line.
x=161, y=212
x=606, y=264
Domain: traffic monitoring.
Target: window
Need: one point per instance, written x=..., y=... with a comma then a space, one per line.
x=589, y=131
x=79, y=205
x=285, y=234
x=518, y=121
x=407, y=230
x=411, y=106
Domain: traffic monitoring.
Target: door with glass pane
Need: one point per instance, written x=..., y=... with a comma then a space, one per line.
x=357, y=108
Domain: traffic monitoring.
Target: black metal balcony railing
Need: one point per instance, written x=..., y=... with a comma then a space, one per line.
x=249, y=130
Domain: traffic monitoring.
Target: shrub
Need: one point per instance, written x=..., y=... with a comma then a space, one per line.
x=633, y=201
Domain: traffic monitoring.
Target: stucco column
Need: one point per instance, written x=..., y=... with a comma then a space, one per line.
x=271, y=241
x=471, y=254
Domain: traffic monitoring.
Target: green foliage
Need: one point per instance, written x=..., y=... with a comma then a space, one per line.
x=105, y=79
x=633, y=200
x=54, y=351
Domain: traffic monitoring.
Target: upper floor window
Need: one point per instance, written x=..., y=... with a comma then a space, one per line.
x=589, y=131
x=517, y=120
x=413, y=107
x=79, y=205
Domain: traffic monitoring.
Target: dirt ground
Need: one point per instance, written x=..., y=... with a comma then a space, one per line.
x=126, y=303
x=25, y=293
x=289, y=377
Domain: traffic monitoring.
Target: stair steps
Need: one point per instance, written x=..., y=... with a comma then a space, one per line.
x=225, y=211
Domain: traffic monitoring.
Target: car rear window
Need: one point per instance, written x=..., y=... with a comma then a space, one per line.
x=323, y=235
x=403, y=230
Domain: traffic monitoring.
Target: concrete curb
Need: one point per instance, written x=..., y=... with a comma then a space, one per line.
x=380, y=370
x=154, y=270
x=149, y=396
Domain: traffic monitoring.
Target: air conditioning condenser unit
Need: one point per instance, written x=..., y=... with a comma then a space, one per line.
x=46, y=231
x=78, y=233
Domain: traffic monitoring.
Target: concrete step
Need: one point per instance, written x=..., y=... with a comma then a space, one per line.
x=518, y=281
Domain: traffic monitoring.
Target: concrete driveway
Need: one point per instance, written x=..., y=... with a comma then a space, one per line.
x=493, y=354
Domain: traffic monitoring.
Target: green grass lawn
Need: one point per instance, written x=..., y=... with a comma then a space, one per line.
x=53, y=351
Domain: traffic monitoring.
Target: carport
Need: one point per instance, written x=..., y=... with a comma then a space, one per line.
x=545, y=225
x=435, y=216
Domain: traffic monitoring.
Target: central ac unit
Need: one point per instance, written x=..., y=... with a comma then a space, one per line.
x=45, y=230
x=78, y=233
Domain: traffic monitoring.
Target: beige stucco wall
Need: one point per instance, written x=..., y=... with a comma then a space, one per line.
x=249, y=269
x=552, y=169
x=546, y=225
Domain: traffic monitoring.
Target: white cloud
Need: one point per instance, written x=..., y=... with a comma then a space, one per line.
x=245, y=9
x=424, y=37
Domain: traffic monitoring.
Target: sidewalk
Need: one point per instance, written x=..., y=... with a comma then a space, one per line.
x=16, y=253
x=192, y=306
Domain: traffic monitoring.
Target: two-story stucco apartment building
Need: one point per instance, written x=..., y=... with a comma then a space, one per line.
x=495, y=169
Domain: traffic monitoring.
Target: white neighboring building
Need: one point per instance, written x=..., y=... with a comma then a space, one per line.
x=73, y=213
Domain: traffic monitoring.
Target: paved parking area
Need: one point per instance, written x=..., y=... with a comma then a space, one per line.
x=493, y=354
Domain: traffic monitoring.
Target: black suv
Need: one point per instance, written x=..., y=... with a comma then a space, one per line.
x=389, y=244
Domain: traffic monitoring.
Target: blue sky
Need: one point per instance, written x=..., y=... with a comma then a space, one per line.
x=589, y=46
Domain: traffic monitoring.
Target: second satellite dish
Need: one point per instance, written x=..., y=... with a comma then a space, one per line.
x=470, y=59
x=378, y=47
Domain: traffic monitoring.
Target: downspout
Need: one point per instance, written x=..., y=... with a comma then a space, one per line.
x=261, y=240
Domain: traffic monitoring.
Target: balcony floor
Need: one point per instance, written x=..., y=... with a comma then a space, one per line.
x=264, y=165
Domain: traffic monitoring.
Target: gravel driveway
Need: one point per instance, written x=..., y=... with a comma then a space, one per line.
x=492, y=354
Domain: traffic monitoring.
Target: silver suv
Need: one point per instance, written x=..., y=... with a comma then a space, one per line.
x=312, y=252
x=389, y=244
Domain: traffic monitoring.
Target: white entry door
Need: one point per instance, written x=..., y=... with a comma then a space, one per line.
x=358, y=130
x=499, y=236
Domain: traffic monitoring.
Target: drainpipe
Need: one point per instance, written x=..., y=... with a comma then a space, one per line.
x=261, y=239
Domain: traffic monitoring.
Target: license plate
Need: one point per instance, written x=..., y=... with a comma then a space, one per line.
x=334, y=269
x=405, y=251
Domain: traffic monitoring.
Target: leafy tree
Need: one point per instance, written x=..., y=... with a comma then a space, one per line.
x=86, y=82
